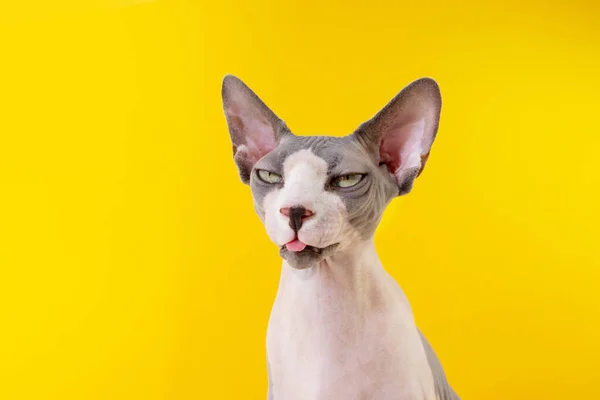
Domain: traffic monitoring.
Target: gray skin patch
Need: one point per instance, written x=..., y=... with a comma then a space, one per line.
x=308, y=257
x=365, y=202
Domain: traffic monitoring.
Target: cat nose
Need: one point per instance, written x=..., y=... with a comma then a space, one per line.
x=297, y=215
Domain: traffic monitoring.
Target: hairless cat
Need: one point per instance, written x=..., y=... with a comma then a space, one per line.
x=341, y=328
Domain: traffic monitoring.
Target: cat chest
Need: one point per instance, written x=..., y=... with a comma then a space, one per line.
x=337, y=353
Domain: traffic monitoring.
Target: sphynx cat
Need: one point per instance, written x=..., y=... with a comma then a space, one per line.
x=341, y=328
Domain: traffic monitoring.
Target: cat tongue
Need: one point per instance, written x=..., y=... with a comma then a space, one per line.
x=295, y=245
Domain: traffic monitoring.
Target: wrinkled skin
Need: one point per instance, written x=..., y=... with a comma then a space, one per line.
x=321, y=198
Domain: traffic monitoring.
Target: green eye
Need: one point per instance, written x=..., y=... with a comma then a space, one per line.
x=269, y=177
x=346, y=181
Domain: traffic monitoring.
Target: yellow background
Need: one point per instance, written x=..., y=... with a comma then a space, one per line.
x=132, y=265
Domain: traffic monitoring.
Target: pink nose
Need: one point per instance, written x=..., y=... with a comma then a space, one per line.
x=297, y=215
x=298, y=210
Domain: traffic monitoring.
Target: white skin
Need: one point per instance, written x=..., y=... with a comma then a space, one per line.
x=305, y=176
x=334, y=329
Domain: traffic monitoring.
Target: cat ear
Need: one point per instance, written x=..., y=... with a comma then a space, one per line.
x=402, y=133
x=254, y=129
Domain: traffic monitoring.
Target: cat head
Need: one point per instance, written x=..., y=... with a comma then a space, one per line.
x=320, y=194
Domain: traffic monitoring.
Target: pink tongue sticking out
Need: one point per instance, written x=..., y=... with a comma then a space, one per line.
x=295, y=245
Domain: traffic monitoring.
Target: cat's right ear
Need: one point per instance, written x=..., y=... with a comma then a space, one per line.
x=255, y=130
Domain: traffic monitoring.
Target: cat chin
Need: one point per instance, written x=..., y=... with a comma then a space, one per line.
x=308, y=257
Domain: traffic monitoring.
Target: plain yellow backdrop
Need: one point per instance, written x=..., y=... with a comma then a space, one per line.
x=132, y=265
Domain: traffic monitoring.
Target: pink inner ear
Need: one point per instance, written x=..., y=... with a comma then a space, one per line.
x=260, y=140
x=401, y=146
x=255, y=136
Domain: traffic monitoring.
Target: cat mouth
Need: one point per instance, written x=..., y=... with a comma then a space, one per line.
x=306, y=248
x=302, y=256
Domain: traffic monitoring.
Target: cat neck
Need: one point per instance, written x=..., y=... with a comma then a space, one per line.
x=353, y=275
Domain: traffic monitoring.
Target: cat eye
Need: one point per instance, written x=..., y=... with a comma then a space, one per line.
x=269, y=177
x=346, y=181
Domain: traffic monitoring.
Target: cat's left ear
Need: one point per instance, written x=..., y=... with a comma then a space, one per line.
x=255, y=130
x=402, y=133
